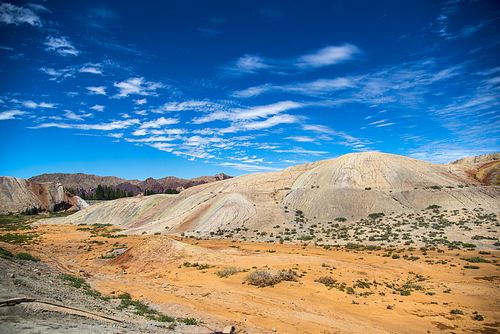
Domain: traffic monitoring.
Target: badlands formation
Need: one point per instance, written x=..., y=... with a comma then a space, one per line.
x=349, y=188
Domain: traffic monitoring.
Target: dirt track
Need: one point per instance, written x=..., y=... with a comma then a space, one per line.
x=443, y=297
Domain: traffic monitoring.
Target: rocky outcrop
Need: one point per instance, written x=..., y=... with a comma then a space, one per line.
x=17, y=195
x=486, y=167
x=352, y=186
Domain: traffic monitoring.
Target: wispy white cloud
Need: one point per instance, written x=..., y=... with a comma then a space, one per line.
x=151, y=139
x=91, y=68
x=34, y=105
x=249, y=168
x=60, y=45
x=384, y=124
x=378, y=122
x=11, y=114
x=240, y=114
x=115, y=125
x=98, y=107
x=195, y=105
x=303, y=139
x=137, y=86
x=30, y=104
x=140, y=132
x=101, y=90
x=75, y=117
x=159, y=123
x=302, y=151
x=140, y=102
x=11, y=14
x=313, y=88
x=327, y=56
x=167, y=147
x=270, y=122
x=249, y=64
x=58, y=74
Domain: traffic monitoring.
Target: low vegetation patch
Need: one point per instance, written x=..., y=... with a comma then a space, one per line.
x=263, y=278
x=227, y=271
x=26, y=257
x=476, y=260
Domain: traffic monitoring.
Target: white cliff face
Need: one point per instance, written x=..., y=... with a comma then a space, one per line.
x=17, y=195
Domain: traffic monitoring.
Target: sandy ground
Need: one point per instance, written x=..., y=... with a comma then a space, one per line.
x=444, y=297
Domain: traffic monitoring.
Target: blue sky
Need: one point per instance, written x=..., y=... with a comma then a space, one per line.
x=189, y=88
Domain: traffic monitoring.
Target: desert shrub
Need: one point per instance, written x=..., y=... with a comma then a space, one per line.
x=189, y=321
x=329, y=281
x=227, y=271
x=26, y=257
x=465, y=245
x=471, y=267
x=203, y=266
x=395, y=256
x=374, y=216
x=351, y=245
x=164, y=318
x=478, y=317
x=17, y=238
x=262, y=278
x=476, y=260
x=456, y=311
x=5, y=253
x=287, y=275
x=74, y=281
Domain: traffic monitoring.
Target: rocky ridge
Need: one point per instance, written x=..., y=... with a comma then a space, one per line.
x=81, y=182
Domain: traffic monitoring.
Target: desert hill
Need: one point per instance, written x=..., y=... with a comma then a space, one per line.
x=17, y=195
x=81, y=182
x=350, y=188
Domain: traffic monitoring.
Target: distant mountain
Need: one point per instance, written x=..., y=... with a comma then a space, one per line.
x=88, y=183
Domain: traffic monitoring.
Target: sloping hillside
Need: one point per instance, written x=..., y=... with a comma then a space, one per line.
x=17, y=195
x=352, y=186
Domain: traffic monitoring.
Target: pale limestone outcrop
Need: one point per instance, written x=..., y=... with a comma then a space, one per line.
x=17, y=195
x=352, y=186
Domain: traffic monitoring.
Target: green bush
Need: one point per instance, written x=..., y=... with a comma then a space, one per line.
x=74, y=281
x=190, y=321
x=5, y=253
x=476, y=260
x=26, y=257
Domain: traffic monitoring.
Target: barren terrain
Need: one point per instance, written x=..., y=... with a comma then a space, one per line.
x=385, y=289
